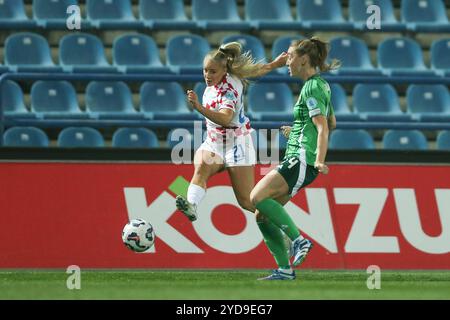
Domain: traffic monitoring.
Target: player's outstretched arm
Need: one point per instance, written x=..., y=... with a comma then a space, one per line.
x=279, y=62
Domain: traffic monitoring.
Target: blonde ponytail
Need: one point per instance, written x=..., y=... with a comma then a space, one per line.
x=241, y=65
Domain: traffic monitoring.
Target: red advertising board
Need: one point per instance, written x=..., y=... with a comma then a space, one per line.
x=58, y=214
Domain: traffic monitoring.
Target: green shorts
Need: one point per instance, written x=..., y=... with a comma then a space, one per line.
x=297, y=173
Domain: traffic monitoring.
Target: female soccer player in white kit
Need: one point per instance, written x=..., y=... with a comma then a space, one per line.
x=228, y=144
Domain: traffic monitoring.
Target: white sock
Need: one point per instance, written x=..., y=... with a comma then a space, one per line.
x=195, y=194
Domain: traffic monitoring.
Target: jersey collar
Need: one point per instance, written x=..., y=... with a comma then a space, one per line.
x=221, y=83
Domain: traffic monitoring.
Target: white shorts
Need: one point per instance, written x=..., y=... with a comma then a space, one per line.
x=235, y=152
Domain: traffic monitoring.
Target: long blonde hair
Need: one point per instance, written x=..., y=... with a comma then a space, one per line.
x=237, y=63
x=317, y=51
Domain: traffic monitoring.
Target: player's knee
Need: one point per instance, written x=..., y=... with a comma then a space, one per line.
x=259, y=217
x=254, y=198
x=246, y=204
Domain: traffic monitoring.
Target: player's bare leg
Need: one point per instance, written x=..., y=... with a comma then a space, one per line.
x=206, y=164
x=243, y=180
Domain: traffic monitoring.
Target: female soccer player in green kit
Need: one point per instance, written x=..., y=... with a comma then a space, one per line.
x=304, y=159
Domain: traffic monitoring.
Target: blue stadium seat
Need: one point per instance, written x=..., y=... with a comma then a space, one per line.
x=401, y=56
x=378, y=102
x=354, y=56
x=134, y=138
x=428, y=102
x=358, y=15
x=55, y=99
x=443, y=140
x=340, y=106
x=425, y=15
x=270, y=102
x=25, y=137
x=12, y=15
x=322, y=15
x=80, y=137
x=183, y=138
x=106, y=14
x=249, y=43
x=110, y=100
x=3, y=69
x=137, y=53
x=82, y=52
x=351, y=140
x=404, y=140
x=165, y=15
x=217, y=15
x=282, y=44
x=12, y=101
x=52, y=14
x=440, y=51
x=165, y=101
x=185, y=53
x=28, y=52
x=199, y=89
x=270, y=15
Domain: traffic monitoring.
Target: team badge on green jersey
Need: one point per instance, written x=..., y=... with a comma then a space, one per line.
x=311, y=103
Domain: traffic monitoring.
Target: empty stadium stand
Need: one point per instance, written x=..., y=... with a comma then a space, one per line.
x=395, y=78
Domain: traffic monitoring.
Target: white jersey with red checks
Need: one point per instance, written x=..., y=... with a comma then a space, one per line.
x=227, y=94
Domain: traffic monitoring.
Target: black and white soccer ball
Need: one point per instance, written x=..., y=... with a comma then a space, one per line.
x=138, y=235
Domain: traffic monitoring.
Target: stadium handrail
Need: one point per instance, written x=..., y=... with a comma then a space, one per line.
x=198, y=77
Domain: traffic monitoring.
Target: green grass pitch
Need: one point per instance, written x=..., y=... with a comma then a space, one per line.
x=212, y=285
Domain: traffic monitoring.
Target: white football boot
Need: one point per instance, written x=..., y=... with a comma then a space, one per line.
x=188, y=209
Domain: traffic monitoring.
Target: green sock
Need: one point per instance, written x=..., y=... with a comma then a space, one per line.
x=276, y=214
x=273, y=237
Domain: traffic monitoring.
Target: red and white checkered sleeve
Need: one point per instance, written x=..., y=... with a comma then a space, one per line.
x=229, y=99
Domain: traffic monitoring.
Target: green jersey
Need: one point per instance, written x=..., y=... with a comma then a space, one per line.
x=314, y=99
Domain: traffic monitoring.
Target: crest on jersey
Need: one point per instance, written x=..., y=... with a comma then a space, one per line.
x=311, y=103
x=229, y=95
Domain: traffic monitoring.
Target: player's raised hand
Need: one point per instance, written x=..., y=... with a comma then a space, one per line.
x=280, y=61
x=193, y=99
x=286, y=130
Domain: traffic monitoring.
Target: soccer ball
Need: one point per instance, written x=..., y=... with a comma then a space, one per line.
x=138, y=235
